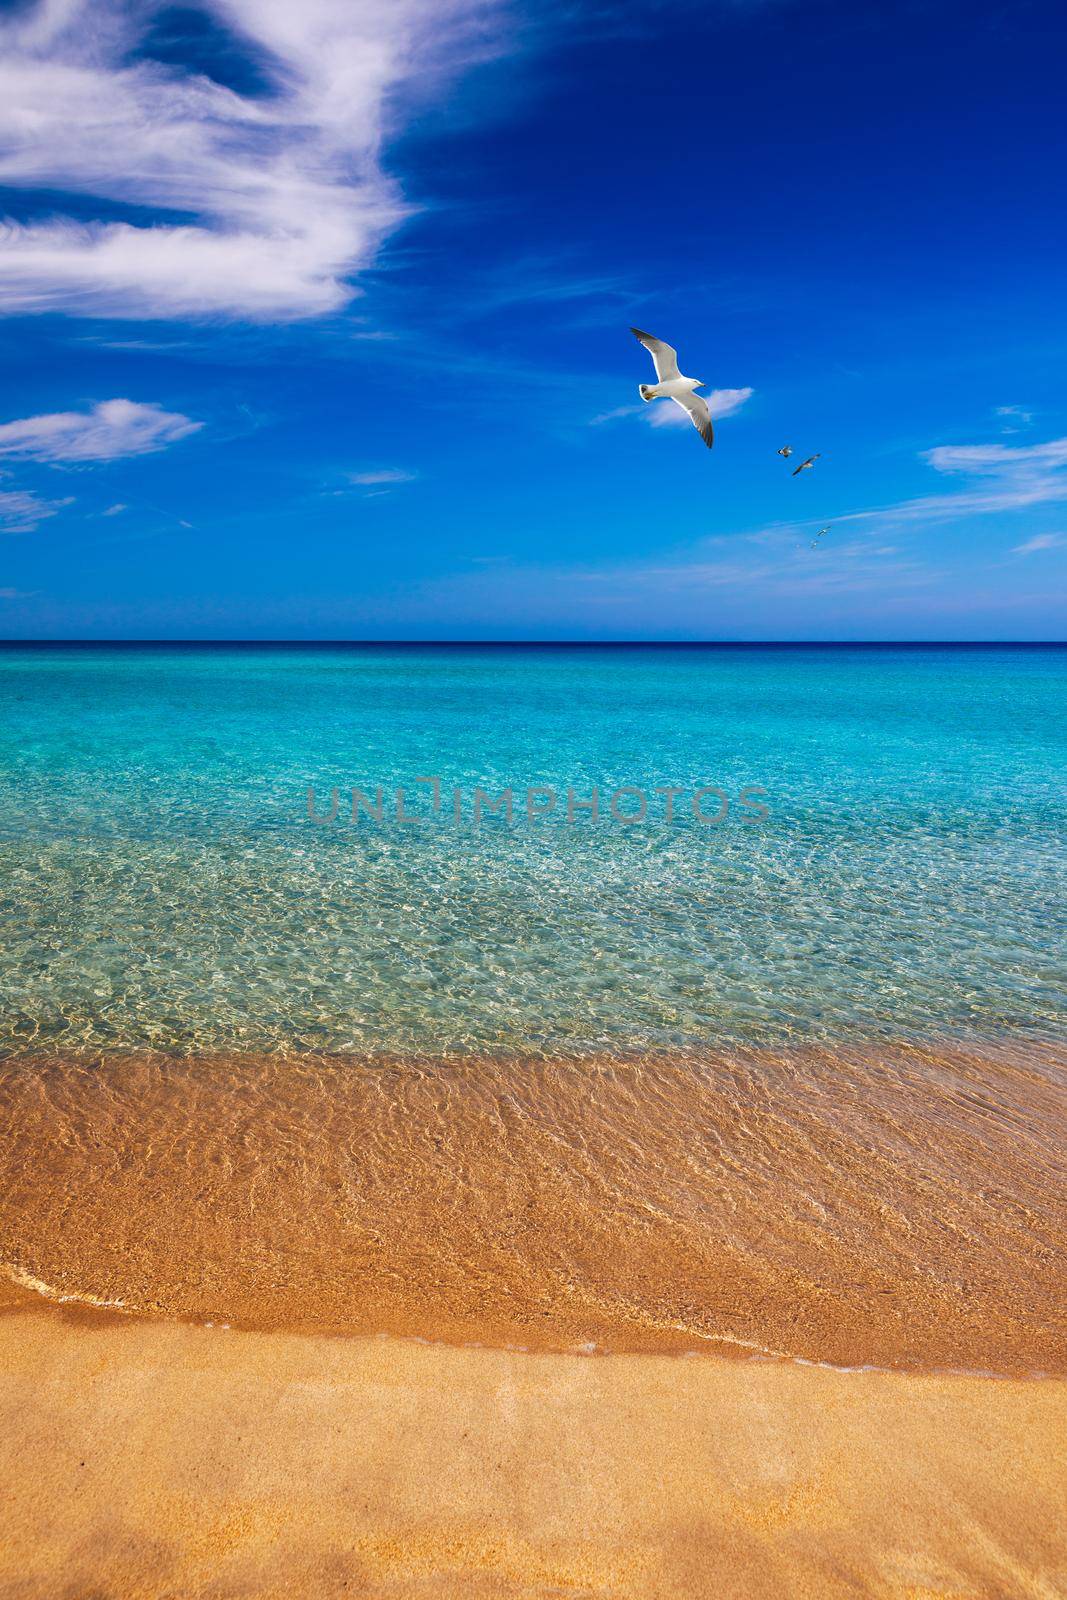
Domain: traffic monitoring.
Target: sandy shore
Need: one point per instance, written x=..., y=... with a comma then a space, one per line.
x=154, y=1459
x=899, y=1208
x=896, y=1207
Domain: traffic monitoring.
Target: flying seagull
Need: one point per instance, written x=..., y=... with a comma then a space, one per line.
x=818, y=536
x=806, y=466
x=672, y=386
x=786, y=450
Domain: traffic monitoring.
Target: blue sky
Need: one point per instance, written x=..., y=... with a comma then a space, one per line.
x=315, y=319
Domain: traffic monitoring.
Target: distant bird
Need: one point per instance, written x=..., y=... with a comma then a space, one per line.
x=786, y=450
x=806, y=466
x=672, y=386
x=818, y=536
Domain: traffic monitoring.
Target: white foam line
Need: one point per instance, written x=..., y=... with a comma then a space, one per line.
x=760, y=1352
x=26, y=1280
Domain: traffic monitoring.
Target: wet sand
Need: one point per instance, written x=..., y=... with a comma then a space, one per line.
x=148, y=1461
x=897, y=1207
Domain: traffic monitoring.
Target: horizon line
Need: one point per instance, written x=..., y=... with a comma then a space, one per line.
x=545, y=644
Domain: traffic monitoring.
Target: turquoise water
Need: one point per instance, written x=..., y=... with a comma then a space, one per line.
x=162, y=885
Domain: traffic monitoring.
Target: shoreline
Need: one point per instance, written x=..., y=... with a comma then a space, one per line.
x=20, y=1295
x=891, y=1208
x=147, y=1459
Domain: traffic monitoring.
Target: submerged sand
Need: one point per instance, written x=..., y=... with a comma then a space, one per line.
x=897, y=1207
x=151, y=1461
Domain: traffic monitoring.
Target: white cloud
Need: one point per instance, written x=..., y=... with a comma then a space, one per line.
x=112, y=429
x=282, y=194
x=1016, y=413
x=616, y=414
x=665, y=414
x=724, y=402
x=721, y=403
x=997, y=459
x=1040, y=541
x=384, y=475
x=1014, y=478
x=115, y=510
x=20, y=511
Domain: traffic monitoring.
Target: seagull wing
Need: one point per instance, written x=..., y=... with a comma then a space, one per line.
x=697, y=408
x=664, y=356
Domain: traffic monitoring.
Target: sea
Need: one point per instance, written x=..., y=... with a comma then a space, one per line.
x=791, y=844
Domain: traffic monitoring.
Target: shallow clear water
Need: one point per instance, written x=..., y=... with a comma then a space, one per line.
x=161, y=884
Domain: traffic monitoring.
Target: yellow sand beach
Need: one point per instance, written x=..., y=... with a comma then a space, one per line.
x=355, y=1305
x=151, y=1461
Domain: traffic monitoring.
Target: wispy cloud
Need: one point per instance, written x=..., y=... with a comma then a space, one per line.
x=852, y=569
x=115, y=510
x=997, y=459
x=20, y=511
x=112, y=429
x=721, y=403
x=281, y=195
x=1014, y=414
x=380, y=476
x=551, y=280
x=615, y=415
x=729, y=577
x=665, y=414
x=1010, y=480
x=784, y=567
x=1041, y=541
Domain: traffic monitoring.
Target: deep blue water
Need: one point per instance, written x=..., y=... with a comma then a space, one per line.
x=161, y=883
